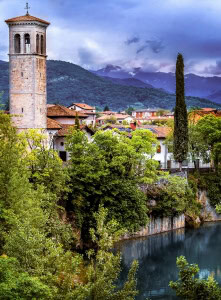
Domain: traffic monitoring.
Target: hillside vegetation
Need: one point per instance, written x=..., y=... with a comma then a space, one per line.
x=67, y=83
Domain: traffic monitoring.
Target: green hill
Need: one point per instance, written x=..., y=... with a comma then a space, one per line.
x=67, y=83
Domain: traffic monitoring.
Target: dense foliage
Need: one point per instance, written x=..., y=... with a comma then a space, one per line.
x=209, y=132
x=68, y=83
x=172, y=197
x=108, y=170
x=191, y=288
x=212, y=184
x=180, y=142
x=35, y=239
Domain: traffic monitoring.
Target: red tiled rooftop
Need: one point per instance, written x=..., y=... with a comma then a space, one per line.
x=83, y=105
x=66, y=127
x=52, y=124
x=62, y=111
x=26, y=18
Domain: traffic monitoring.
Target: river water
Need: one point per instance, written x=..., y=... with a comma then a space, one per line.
x=157, y=258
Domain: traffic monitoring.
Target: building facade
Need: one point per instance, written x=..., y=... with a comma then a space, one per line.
x=27, y=72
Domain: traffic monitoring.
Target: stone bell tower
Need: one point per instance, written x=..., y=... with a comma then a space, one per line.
x=27, y=71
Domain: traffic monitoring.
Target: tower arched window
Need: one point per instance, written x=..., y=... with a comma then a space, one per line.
x=37, y=43
x=42, y=44
x=27, y=43
x=17, y=43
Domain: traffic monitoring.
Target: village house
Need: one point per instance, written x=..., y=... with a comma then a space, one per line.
x=119, y=118
x=144, y=113
x=90, y=111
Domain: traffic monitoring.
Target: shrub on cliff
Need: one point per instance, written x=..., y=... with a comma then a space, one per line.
x=172, y=197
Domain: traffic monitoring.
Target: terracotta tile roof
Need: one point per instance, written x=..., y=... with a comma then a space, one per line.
x=26, y=18
x=87, y=112
x=159, y=131
x=154, y=118
x=83, y=105
x=107, y=112
x=52, y=124
x=208, y=109
x=62, y=111
x=117, y=116
x=66, y=127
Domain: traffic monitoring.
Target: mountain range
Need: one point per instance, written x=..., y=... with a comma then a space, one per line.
x=198, y=86
x=68, y=83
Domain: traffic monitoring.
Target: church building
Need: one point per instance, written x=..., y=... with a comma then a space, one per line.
x=27, y=71
x=28, y=85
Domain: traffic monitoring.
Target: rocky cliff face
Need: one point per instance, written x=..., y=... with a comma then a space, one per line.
x=208, y=213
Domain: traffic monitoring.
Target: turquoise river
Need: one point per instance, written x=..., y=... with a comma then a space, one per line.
x=157, y=258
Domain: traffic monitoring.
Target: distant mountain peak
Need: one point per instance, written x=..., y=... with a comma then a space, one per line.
x=110, y=68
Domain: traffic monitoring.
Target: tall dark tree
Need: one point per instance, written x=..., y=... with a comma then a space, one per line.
x=77, y=122
x=106, y=108
x=180, y=144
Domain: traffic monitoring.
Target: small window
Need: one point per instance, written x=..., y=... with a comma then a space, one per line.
x=63, y=155
x=27, y=43
x=22, y=74
x=17, y=43
x=62, y=143
x=159, y=149
x=22, y=110
x=42, y=44
x=37, y=43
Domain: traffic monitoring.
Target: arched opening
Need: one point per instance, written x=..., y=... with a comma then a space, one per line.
x=37, y=43
x=42, y=44
x=27, y=43
x=17, y=43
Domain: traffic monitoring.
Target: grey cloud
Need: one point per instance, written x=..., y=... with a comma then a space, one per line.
x=141, y=49
x=86, y=56
x=133, y=40
x=155, y=45
x=213, y=69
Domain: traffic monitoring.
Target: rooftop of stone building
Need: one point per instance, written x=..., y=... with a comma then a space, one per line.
x=26, y=18
x=52, y=124
x=62, y=111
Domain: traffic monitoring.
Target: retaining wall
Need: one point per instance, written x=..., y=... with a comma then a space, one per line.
x=158, y=225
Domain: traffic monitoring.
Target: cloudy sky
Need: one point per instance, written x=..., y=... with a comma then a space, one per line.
x=128, y=33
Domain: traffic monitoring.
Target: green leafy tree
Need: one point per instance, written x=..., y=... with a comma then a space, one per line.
x=108, y=171
x=111, y=120
x=173, y=197
x=209, y=136
x=180, y=144
x=129, y=110
x=191, y=288
x=106, y=108
x=16, y=284
x=105, y=266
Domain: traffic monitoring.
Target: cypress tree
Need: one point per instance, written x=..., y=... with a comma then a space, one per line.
x=180, y=144
x=77, y=122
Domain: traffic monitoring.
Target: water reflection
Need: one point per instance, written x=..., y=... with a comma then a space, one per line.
x=157, y=258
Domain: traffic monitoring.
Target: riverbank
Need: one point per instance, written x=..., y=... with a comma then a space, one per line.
x=166, y=224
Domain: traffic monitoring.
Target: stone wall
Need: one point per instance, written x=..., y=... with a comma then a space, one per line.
x=208, y=213
x=159, y=225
